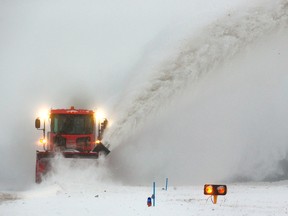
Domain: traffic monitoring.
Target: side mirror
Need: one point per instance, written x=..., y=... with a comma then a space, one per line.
x=104, y=124
x=37, y=123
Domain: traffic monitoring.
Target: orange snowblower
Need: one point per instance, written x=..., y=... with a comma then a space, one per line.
x=74, y=133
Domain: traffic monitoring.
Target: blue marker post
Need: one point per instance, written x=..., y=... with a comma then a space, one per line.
x=153, y=196
x=166, y=185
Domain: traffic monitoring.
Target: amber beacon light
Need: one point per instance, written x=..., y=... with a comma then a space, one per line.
x=215, y=190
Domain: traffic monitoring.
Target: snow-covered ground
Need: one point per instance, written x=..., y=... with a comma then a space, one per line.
x=110, y=199
x=80, y=188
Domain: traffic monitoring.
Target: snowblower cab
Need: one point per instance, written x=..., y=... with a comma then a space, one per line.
x=75, y=133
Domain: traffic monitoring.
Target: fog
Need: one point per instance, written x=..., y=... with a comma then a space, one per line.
x=225, y=113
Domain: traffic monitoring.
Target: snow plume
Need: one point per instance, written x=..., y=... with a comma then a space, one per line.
x=148, y=141
x=215, y=45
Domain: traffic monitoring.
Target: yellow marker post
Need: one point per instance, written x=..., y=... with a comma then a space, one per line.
x=215, y=199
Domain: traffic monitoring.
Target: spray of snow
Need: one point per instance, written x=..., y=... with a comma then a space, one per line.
x=141, y=154
x=71, y=174
x=215, y=45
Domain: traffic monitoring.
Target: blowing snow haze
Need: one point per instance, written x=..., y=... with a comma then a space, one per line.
x=189, y=86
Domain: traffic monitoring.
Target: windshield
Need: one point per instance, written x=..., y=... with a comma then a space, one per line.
x=72, y=124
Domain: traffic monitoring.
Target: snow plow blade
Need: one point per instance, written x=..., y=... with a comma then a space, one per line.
x=43, y=161
x=43, y=158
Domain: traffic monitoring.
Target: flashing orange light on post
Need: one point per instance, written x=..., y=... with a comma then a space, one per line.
x=215, y=190
x=222, y=190
x=208, y=189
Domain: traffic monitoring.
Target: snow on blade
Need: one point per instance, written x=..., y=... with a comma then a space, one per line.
x=71, y=173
